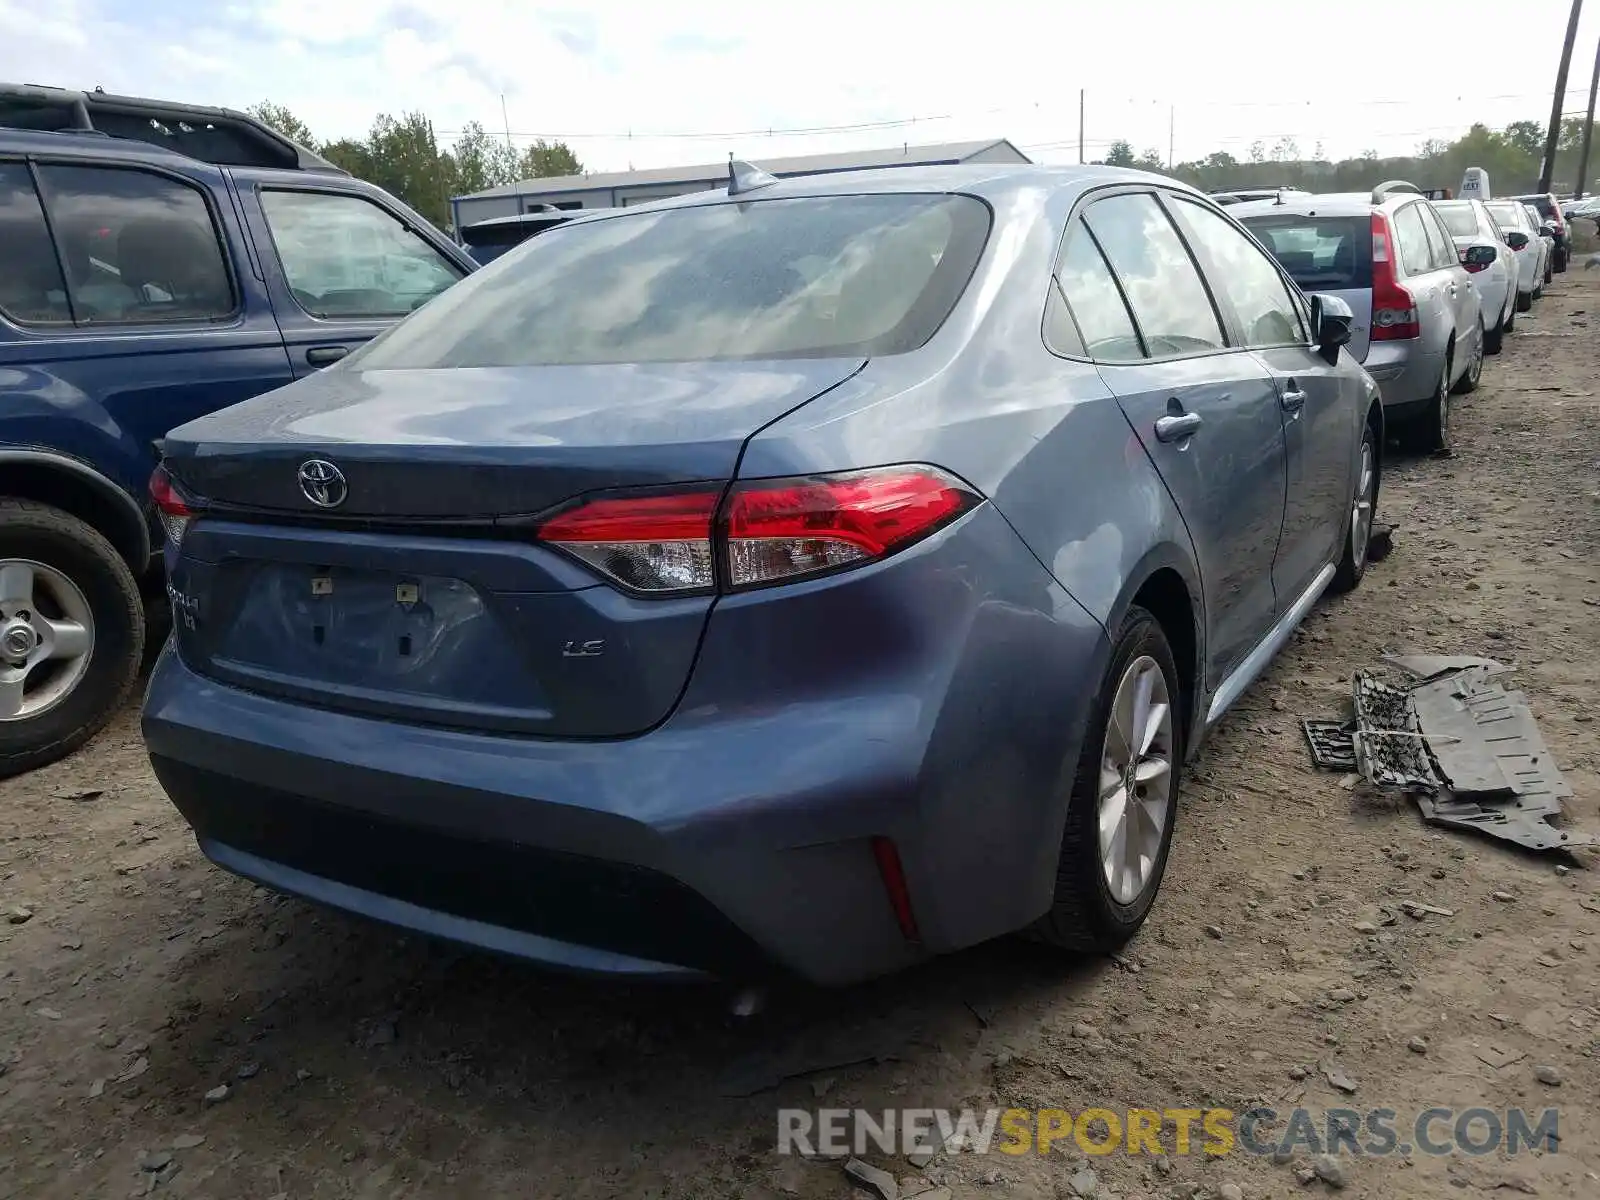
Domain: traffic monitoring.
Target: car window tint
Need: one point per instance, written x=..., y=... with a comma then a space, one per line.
x=1416, y=255
x=1108, y=331
x=31, y=288
x=1169, y=301
x=138, y=247
x=1245, y=274
x=1319, y=253
x=806, y=277
x=344, y=256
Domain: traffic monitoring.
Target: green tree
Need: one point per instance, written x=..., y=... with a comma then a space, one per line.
x=543, y=160
x=1120, y=154
x=353, y=156
x=404, y=160
x=481, y=161
x=1151, y=160
x=276, y=116
x=1527, y=136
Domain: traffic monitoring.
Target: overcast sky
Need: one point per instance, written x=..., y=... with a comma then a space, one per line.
x=1351, y=76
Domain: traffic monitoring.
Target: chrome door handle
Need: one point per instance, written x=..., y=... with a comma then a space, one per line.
x=1176, y=428
x=1293, y=399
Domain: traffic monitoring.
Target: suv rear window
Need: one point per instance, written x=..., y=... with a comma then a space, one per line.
x=1330, y=254
x=809, y=277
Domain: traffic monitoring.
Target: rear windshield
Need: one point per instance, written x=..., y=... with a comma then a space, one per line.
x=1509, y=215
x=1542, y=203
x=1330, y=254
x=810, y=277
x=1459, y=219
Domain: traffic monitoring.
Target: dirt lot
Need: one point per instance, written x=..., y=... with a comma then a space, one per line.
x=359, y=1064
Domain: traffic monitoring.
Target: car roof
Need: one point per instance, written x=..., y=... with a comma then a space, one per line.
x=986, y=180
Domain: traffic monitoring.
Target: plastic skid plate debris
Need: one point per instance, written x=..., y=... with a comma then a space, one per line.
x=1464, y=746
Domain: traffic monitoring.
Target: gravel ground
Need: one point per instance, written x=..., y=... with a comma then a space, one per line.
x=165, y=1028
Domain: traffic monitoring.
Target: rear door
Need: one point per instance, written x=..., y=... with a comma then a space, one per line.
x=342, y=261
x=158, y=319
x=1206, y=413
x=1327, y=254
x=1421, y=277
x=1459, y=293
x=1319, y=401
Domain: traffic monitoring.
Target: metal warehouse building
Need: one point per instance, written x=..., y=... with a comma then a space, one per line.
x=621, y=188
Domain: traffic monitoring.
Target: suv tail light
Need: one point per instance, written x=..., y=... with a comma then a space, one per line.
x=765, y=531
x=175, y=509
x=1394, y=311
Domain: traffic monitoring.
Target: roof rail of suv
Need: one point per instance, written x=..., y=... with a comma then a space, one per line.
x=1383, y=190
x=220, y=136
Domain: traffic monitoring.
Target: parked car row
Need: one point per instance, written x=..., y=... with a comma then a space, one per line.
x=1434, y=284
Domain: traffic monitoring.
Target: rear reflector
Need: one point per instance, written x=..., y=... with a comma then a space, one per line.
x=174, y=509
x=894, y=882
x=770, y=530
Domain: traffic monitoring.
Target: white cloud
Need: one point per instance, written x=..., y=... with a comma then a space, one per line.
x=1381, y=74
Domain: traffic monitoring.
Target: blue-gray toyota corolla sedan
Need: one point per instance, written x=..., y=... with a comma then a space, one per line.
x=809, y=577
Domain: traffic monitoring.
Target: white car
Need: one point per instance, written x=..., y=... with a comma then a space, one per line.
x=1532, y=249
x=1475, y=233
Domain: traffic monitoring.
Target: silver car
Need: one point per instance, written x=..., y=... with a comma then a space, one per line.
x=1418, y=330
x=1490, y=261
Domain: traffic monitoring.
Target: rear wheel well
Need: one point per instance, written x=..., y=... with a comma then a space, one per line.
x=1166, y=598
x=64, y=490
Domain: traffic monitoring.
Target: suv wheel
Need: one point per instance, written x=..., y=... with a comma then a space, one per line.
x=1524, y=301
x=1363, y=505
x=71, y=633
x=1563, y=257
x=1474, y=372
x=1124, y=797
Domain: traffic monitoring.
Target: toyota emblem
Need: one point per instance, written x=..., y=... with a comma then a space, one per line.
x=323, y=483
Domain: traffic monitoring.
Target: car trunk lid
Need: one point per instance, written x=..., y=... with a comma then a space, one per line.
x=422, y=594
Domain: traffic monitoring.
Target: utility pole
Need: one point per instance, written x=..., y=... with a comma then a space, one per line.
x=1588, y=128
x=1080, y=126
x=1553, y=136
x=1172, y=125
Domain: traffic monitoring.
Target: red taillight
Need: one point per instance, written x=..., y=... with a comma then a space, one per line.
x=659, y=543
x=176, y=510
x=780, y=529
x=770, y=530
x=1394, y=312
x=893, y=875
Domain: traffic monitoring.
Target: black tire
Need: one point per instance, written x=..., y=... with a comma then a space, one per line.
x=1352, y=566
x=1549, y=271
x=1494, y=339
x=1084, y=916
x=1524, y=301
x=1430, y=433
x=46, y=535
x=1563, y=257
x=1473, y=375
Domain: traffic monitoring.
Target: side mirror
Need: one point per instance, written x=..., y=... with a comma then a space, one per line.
x=1478, y=256
x=1547, y=230
x=1331, y=321
x=1517, y=240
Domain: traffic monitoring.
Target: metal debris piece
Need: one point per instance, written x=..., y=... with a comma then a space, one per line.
x=1498, y=1056
x=1332, y=748
x=879, y=1181
x=1466, y=748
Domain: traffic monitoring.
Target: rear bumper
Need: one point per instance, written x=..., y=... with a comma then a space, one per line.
x=733, y=840
x=1406, y=374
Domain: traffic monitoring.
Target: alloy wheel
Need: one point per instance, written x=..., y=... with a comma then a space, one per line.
x=1361, y=511
x=46, y=638
x=1136, y=780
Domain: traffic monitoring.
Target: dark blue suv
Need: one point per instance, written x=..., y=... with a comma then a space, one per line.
x=157, y=261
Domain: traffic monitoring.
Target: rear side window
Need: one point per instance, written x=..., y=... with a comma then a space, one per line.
x=1321, y=254
x=346, y=257
x=139, y=248
x=809, y=277
x=1460, y=220
x=1102, y=316
x=1169, y=301
x=1439, y=239
x=1238, y=269
x=1416, y=255
x=31, y=288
